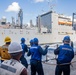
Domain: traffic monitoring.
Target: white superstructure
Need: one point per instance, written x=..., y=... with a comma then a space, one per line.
x=51, y=28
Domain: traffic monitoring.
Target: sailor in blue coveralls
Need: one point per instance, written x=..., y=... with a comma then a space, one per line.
x=36, y=53
x=25, y=49
x=31, y=42
x=65, y=55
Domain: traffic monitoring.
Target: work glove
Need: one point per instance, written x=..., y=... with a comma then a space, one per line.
x=46, y=46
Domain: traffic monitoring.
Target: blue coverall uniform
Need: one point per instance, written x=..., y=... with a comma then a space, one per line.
x=23, y=59
x=36, y=53
x=65, y=55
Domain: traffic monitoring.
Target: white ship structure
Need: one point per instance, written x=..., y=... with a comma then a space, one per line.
x=50, y=28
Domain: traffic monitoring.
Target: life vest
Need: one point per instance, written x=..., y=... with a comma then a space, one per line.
x=11, y=67
x=4, y=53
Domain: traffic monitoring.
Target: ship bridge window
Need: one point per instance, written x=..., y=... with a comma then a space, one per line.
x=44, y=32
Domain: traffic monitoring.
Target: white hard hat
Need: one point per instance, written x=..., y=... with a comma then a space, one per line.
x=14, y=48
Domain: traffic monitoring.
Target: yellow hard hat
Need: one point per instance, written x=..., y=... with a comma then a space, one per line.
x=7, y=39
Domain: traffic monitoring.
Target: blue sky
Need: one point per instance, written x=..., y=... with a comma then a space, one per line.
x=33, y=8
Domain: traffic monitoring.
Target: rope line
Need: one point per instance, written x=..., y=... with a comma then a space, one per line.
x=59, y=64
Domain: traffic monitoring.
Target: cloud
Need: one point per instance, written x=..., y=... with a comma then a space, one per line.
x=13, y=7
x=39, y=1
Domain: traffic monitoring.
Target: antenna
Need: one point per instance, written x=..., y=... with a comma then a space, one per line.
x=51, y=5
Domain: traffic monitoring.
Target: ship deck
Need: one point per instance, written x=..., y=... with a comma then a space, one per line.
x=49, y=69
